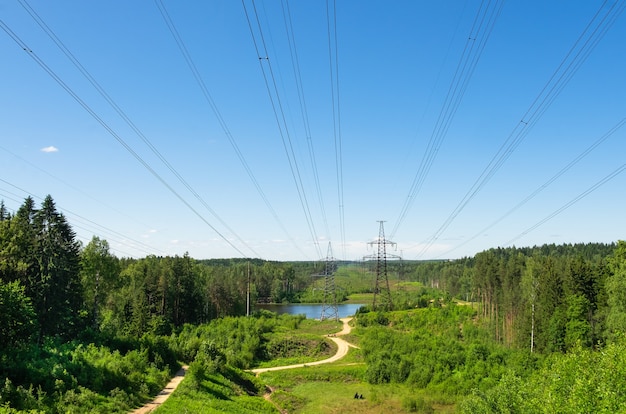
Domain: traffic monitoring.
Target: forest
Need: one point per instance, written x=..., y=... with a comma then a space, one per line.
x=82, y=330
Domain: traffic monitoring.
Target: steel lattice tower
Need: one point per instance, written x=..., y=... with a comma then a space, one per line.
x=382, y=281
x=329, y=305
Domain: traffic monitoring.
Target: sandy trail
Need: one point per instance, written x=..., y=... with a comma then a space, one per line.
x=164, y=394
x=342, y=350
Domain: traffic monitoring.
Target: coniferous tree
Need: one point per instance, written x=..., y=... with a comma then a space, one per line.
x=17, y=252
x=55, y=287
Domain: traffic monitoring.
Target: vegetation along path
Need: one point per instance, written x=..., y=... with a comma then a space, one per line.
x=164, y=394
x=342, y=350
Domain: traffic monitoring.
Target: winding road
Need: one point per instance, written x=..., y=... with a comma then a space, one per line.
x=342, y=350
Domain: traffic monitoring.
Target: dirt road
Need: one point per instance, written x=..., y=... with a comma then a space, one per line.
x=164, y=394
x=342, y=350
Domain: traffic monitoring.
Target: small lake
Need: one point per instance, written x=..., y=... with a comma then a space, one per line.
x=310, y=310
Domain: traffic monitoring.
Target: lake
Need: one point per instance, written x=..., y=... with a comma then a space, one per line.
x=310, y=310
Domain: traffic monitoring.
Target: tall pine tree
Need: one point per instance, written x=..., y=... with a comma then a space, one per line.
x=56, y=288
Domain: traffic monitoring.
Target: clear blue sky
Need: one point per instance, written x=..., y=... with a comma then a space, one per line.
x=438, y=118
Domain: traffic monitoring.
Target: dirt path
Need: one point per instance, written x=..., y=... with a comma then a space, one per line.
x=164, y=394
x=342, y=350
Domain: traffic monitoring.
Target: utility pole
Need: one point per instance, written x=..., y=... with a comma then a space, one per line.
x=382, y=281
x=248, y=293
x=329, y=304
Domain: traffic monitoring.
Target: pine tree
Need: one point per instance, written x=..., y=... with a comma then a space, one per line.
x=56, y=288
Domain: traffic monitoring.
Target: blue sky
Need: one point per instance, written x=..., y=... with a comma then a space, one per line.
x=291, y=134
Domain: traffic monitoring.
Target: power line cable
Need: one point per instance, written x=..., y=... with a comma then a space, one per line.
x=146, y=249
x=283, y=129
x=303, y=107
x=91, y=112
x=333, y=65
x=579, y=197
x=123, y=115
x=482, y=27
x=576, y=56
x=545, y=185
x=214, y=108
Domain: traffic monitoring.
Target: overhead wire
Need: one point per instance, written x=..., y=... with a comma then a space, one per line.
x=545, y=185
x=124, y=116
x=333, y=65
x=146, y=248
x=482, y=28
x=303, y=108
x=279, y=116
x=220, y=119
x=576, y=56
x=117, y=137
x=70, y=185
x=576, y=199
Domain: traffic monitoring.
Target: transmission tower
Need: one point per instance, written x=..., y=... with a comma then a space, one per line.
x=329, y=305
x=382, y=281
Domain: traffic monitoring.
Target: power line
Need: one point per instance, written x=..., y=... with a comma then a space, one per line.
x=576, y=56
x=122, y=114
x=281, y=122
x=91, y=112
x=146, y=249
x=546, y=184
x=579, y=197
x=220, y=119
x=303, y=107
x=481, y=30
x=333, y=65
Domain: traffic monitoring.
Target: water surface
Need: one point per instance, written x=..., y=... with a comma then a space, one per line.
x=310, y=310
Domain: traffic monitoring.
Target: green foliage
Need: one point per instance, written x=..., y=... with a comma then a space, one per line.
x=229, y=390
x=81, y=378
x=38, y=249
x=99, y=276
x=244, y=342
x=616, y=292
x=17, y=318
x=438, y=348
x=67, y=316
x=581, y=381
x=417, y=405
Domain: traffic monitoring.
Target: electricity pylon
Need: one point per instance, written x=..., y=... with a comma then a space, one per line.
x=382, y=281
x=329, y=305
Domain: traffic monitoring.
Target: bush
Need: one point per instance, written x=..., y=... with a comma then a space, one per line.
x=417, y=405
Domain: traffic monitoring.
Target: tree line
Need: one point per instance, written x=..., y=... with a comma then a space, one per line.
x=544, y=298
x=51, y=285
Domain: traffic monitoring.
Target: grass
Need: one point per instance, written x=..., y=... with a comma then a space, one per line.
x=303, y=345
x=217, y=394
x=360, y=298
x=331, y=389
x=328, y=388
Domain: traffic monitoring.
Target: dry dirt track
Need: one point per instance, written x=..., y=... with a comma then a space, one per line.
x=164, y=394
x=342, y=350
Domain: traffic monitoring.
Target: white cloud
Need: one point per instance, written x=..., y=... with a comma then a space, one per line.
x=51, y=148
